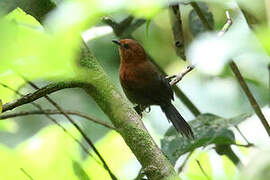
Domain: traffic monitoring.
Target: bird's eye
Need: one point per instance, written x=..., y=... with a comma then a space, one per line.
x=126, y=46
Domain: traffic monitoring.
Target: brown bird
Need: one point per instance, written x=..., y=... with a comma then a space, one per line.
x=144, y=85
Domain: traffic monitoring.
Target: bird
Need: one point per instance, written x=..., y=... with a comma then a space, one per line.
x=144, y=85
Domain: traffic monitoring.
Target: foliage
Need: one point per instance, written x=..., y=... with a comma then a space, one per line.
x=208, y=129
x=46, y=46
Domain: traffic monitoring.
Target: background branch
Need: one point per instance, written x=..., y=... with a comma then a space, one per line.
x=41, y=93
x=56, y=112
x=177, y=29
x=238, y=76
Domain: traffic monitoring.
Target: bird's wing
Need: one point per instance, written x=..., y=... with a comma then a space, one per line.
x=148, y=85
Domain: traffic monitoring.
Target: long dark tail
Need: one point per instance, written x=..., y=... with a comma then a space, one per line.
x=177, y=120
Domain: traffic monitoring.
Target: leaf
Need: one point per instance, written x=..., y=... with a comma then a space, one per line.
x=147, y=25
x=208, y=129
x=1, y=104
x=79, y=171
x=33, y=47
x=195, y=24
x=263, y=35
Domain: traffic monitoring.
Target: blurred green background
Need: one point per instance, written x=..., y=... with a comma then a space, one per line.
x=45, y=54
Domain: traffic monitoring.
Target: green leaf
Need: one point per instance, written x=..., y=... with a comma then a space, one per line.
x=147, y=25
x=79, y=171
x=195, y=24
x=37, y=52
x=208, y=129
x=263, y=34
x=1, y=106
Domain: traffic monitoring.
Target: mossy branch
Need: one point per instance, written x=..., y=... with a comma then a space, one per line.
x=126, y=121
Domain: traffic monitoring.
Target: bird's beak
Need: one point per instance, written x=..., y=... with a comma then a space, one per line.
x=116, y=42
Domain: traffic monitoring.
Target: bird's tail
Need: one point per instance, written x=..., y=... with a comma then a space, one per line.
x=177, y=120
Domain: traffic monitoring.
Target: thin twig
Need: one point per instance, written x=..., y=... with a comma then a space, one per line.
x=240, y=79
x=201, y=168
x=53, y=111
x=51, y=88
x=26, y=174
x=91, y=144
x=227, y=25
x=239, y=131
x=180, y=75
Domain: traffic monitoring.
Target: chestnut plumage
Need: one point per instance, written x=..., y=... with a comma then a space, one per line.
x=144, y=85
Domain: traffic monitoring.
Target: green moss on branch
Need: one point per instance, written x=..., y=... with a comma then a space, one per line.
x=126, y=121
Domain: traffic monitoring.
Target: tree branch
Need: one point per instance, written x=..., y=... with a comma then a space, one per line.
x=41, y=93
x=180, y=75
x=227, y=25
x=177, y=29
x=54, y=112
x=250, y=97
x=126, y=121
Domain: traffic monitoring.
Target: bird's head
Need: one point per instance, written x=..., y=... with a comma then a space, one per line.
x=130, y=51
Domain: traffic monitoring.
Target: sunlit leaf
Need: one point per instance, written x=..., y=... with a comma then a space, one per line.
x=1, y=106
x=79, y=171
x=194, y=170
x=9, y=79
x=120, y=164
x=208, y=129
x=18, y=15
x=49, y=154
x=35, y=52
x=229, y=168
x=9, y=126
x=147, y=26
x=263, y=35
